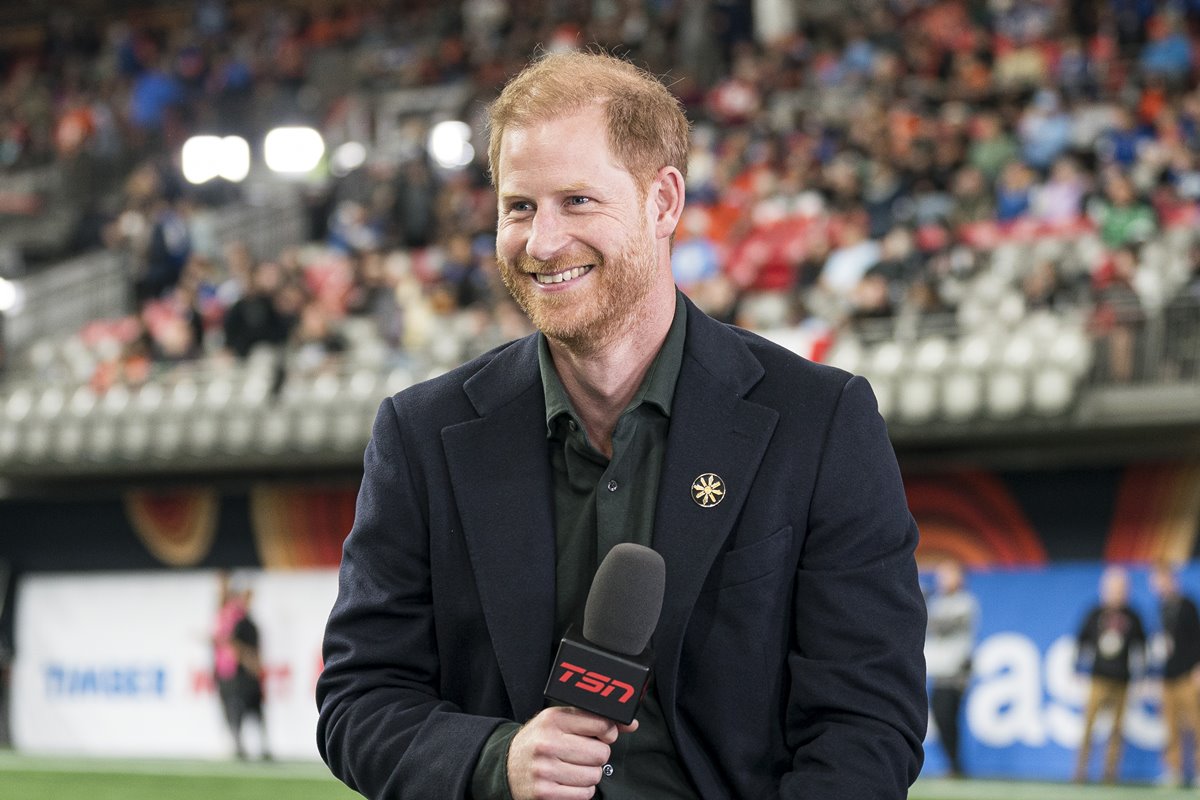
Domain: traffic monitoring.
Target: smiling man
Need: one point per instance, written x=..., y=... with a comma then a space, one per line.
x=789, y=650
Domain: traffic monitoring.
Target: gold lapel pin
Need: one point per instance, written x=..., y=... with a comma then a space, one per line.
x=708, y=490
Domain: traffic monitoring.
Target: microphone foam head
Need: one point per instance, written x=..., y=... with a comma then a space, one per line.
x=625, y=599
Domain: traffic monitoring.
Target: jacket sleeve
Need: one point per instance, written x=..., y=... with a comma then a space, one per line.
x=383, y=729
x=1188, y=639
x=857, y=710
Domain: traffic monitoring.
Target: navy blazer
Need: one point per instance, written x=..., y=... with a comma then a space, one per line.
x=789, y=651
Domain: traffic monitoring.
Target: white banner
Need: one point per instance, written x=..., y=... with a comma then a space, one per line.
x=121, y=664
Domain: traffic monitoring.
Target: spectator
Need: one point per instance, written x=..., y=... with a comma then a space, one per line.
x=373, y=295
x=168, y=249
x=973, y=202
x=1014, y=192
x=949, y=647
x=1117, y=315
x=1169, y=53
x=1122, y=217
x=1059, y=201
x=314, y=339
x=993, y=147
x=1045, y=130
x=1110, y=641
x=257, y=317
x=1183, y=323
x=1043, y=287
x=1122, y=143
x=1181, y=672
x=849, y=262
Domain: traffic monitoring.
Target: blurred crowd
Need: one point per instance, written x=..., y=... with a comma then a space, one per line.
x=853, y=163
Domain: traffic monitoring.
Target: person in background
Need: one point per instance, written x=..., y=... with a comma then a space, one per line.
x=1110, y=640
x=949, y=644
x=237, y=665
x=257, y=317
x=1181, y=672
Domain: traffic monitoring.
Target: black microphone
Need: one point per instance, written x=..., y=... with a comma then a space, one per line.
x=605, y=670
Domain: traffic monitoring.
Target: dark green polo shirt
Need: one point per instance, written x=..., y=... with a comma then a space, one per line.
x=600, y=502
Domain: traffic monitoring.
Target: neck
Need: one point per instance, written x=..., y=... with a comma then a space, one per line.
x=602, y=380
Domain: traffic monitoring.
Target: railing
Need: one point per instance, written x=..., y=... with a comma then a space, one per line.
x=60, y=300
x=1137, y=346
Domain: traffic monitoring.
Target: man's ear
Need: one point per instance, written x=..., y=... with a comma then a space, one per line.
x=667, y=192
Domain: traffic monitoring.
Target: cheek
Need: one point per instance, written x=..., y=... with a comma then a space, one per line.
x=509, y=243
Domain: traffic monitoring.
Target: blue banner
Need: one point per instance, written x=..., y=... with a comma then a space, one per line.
x=1023, y=711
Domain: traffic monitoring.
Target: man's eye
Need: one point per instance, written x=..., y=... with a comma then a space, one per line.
x=578, y=200
x=520, y=207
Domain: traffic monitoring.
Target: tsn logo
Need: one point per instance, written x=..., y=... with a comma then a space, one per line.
x=594, y=682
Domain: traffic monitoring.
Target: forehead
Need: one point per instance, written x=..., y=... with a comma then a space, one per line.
x=567, y=150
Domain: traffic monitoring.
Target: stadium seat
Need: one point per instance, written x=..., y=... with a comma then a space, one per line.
x=918, y=400
x=1006, y=394
x=962, y=395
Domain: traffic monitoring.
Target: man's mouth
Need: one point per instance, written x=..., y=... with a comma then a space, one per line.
x=547, y=278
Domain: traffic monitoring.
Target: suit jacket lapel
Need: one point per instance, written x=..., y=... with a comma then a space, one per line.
x=500, y=473
x=713, y=430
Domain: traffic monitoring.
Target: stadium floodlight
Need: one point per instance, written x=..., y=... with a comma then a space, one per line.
x=204, y=158
x=235, y=159
x=293, y=150
x=450, y=144
x=12, y=297
x=346, y=158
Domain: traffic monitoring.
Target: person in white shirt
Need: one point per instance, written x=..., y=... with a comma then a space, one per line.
x=949, y=644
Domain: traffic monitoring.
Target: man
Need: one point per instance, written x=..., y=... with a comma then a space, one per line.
x=1110, y=638
x=1181, y=672
x=788, y=651
x=949, y=644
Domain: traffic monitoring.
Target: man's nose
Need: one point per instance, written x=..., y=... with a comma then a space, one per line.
x=547, y=235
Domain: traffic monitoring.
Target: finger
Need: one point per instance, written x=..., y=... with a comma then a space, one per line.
x=583, y=751
x=630, y=728
x=575, y=775
x=584, y=723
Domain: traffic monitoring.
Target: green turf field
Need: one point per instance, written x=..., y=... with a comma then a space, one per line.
x=40, y=778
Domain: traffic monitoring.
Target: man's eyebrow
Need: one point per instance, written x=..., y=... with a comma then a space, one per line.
x=570, y=188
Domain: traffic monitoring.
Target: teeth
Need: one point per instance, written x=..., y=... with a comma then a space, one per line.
x=559, y=277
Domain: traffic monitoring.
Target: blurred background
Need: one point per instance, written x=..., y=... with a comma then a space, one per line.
x=228, y=229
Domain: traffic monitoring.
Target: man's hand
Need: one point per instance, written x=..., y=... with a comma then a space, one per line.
x=560, y=754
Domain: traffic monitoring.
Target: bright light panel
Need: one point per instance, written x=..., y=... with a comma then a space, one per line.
x=12, y=297
x=207, y=157
x=235, y=159
x=293, y=150
x=450, y=144
x=347, y=157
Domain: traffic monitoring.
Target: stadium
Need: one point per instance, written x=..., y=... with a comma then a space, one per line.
x=230, y=229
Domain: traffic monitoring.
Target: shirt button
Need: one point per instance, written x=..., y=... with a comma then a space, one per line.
x=612, y=486
x=573, y=425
